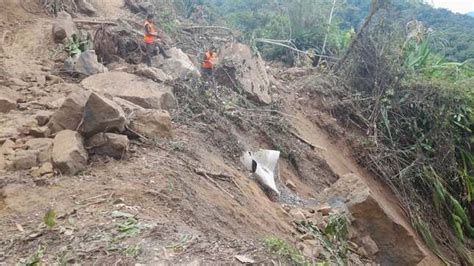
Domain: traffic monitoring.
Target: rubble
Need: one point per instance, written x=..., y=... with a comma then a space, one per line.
x=395, y=243
x=69, y=155
x=135, y=89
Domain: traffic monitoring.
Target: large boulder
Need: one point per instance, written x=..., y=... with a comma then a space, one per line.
x=178, y=65
x=239, y=67
x=101, y=115
x=395, y=241
x=69, y=154
x=8, y=99
x=138, y=90
x=70, y=114
x=152, y=124
x=63, y=27
x=108, y=144
x=86, y=63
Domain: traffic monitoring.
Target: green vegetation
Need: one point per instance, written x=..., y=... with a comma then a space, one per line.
x=35, y=258
x=284, y=250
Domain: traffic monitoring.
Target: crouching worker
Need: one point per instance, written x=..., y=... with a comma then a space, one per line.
x=150, y=38
x=210, y=59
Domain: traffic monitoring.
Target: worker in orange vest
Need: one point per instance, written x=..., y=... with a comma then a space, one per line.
x=150, y=36
x=210, y=58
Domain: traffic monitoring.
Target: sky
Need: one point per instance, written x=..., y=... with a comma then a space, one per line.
x=461, y=6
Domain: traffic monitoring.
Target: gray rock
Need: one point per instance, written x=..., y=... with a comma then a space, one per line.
x=108, y=144
x=86, y=63
x=69, y=155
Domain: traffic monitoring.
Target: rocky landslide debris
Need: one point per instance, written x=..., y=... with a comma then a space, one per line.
x=379, y=233
x=93, y=121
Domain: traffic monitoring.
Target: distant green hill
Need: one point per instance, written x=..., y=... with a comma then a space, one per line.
x=454, y=32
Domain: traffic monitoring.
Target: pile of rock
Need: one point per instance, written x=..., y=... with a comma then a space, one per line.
x=93, y=120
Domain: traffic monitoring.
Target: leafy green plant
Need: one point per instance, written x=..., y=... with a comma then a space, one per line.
x=35, y=258
x=284, y=250
x=49, y=218
x=76, y=44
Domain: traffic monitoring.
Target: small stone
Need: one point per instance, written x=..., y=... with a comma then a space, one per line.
x=35, y=172
x=40, y=132
x=24, y=160
x=325, y=209
x=46, y=168
x=42, y=117
x=290, y=184
x=369, y=245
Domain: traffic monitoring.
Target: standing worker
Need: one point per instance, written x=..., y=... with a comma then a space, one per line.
x=210, y=58
x=151, y=34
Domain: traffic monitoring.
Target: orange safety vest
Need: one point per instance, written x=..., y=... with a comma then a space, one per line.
x=148, y=38
x=209, y=57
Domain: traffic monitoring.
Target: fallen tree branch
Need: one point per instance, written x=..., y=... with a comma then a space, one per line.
x=207, y=27
x=95, y=22
x=313, y=146
x=281, y=43
x=203, y=173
